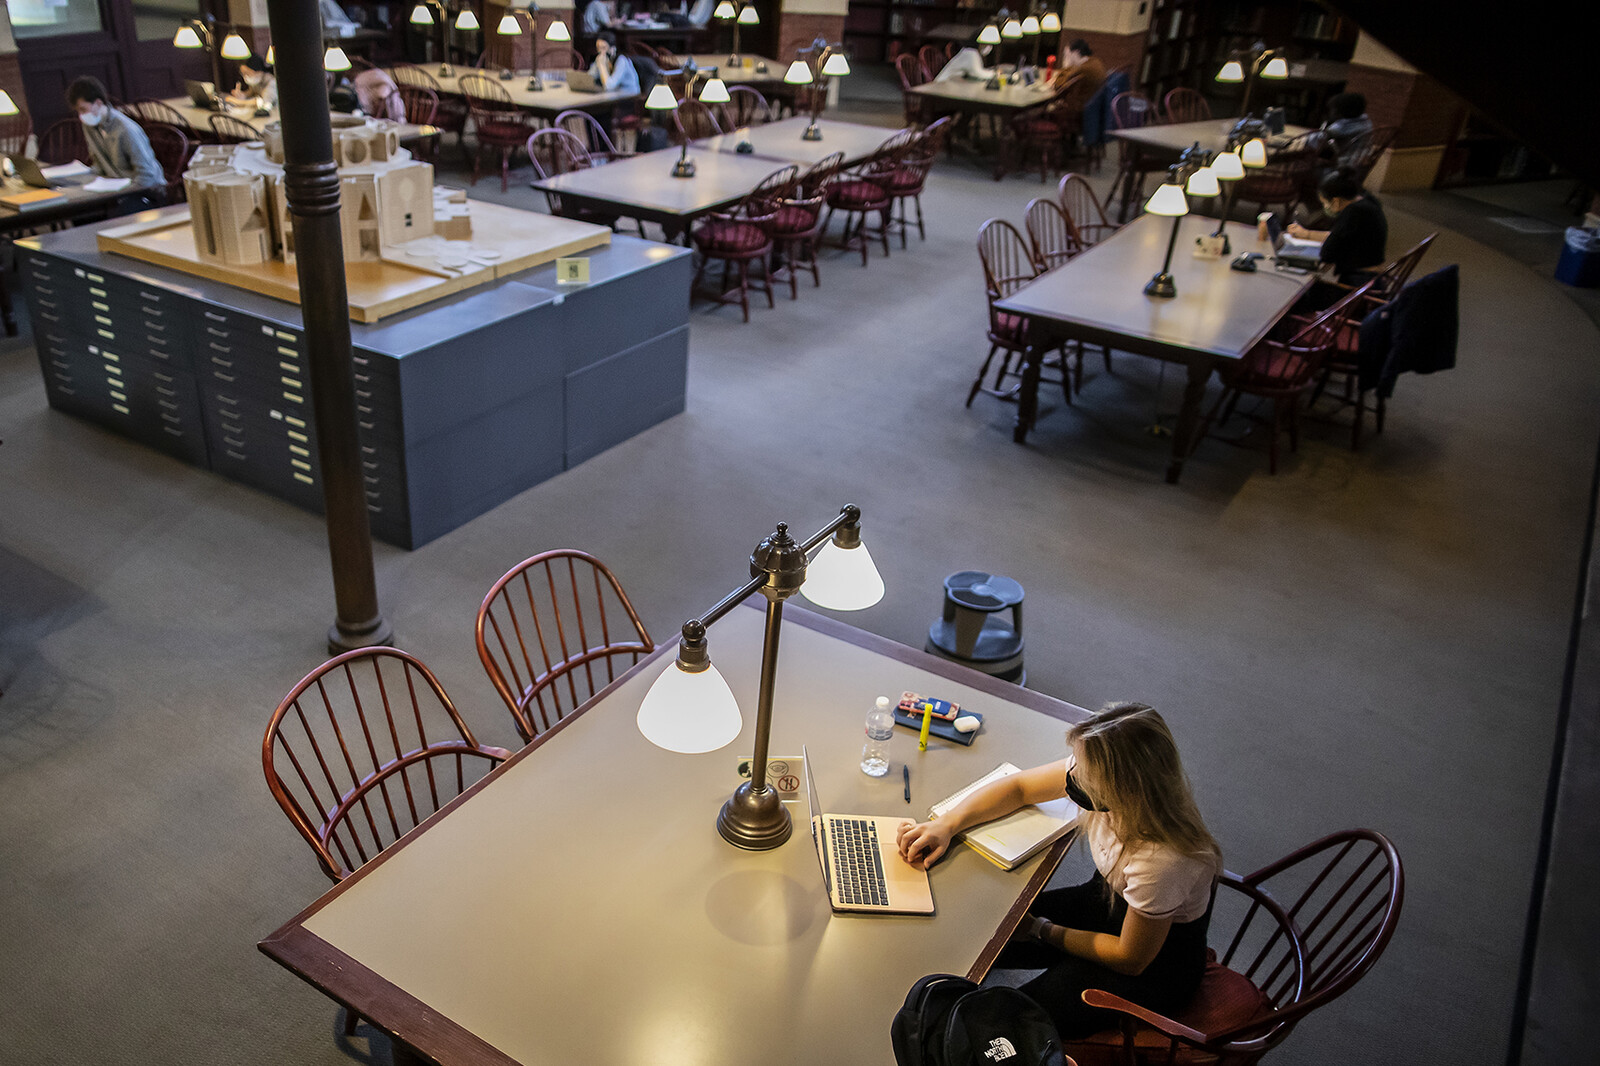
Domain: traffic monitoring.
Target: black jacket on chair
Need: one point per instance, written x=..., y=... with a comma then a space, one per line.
x=1417, y=331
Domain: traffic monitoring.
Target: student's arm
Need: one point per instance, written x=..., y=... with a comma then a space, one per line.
x=1127, y=952
x=923, y=843
x=1297, y=230
x=140, y=158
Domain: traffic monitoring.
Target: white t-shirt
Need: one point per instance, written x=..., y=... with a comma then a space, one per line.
x=1157, y=881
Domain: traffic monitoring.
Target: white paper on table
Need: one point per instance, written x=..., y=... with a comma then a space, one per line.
x=107, y=184
x=64, y=170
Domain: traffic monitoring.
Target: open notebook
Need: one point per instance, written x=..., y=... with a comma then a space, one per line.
x=1010, y=841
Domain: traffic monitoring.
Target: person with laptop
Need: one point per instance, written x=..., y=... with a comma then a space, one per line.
x=613, y=70
x=1357, y=241
x=1137, y=928
x=256, y=84
x=118, y=147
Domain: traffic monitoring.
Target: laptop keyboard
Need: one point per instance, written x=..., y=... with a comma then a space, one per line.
x=857, y=862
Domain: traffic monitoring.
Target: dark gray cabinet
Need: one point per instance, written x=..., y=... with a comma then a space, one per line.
x=460, y=405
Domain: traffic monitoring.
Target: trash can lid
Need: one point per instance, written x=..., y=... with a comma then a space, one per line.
x=982, y=591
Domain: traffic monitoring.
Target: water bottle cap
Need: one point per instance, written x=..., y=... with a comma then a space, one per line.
x=883, y=703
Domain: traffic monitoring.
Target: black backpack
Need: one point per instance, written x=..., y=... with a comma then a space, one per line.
x=949, y=1021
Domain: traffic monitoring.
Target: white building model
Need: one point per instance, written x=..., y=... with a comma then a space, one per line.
x=240, y=215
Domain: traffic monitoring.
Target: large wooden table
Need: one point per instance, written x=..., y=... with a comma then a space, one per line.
x=976, y=98
x=579, y=906
x=548, y=102
x=643, y=187
x=1155, y=146
x=782, y=141
x=199, y=119
x=1218, y=315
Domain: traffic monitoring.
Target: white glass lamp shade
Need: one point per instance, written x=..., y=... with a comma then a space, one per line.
x=837, y=66
x=690, y=713
x=1232, y=71
x=467, y=20
x=1169, y=201
x=1030, y=27
x=990, y=34
x=799, y=73
x=842, y=579
x=233, y=47
x=335, y=60
x=186, y=37
x=1254, y=153
x=509, y=26
x=714, y=92
x=1011, y=30
x=748, y=16
x=1277, y=67
x=1203, y=182
x=557, y=31
x=661, y=98
x=725, y=10
x=8, y=106
x=1051, y=23
x=1227, y=167
x=421, y=15
x=272, y=55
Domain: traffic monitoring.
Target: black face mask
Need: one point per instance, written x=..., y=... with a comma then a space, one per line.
x=1080, y=797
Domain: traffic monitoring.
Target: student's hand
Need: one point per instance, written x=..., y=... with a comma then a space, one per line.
x=922, y=844
x=1297, y=230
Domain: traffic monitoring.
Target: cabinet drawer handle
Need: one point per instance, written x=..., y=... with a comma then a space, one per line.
x=63, y=366
x=45, y=291
x=216, y=317
x=301, y=437
x=152, y=325
x=292, y=398
x=235, y=443
x=232, y=428
x=374, y=508
x=301, y=477
x=366, y=425
x=168, y=405
x=369, y=480
x=174, y=432
x=175, y=420
x=69, y=392
x=369, y=466
x=155, y=296
x=293, y=383
x=374, y=495
x=115, y=395
x=166, y=392
x=229, y=378
x=363, y=410
x=96, y=292
x=98, y=306
x=297, y=450
x=168, y=378
x=233, y=454
x=49, y=303
x=120, y=409
x=228, y=363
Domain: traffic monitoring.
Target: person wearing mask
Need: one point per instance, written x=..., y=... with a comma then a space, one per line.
x=1137, y=928
x=118, y=147
x=256, y=84
x=611, y=68
x=1357, y=241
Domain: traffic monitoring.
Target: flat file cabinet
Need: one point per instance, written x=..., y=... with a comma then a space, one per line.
x=460, y=404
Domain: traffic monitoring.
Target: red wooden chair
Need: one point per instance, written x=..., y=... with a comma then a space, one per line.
x=904, y=173
x=172, y=149
x=1084, y=210
x=451, y=112
x=146, y=111
x=225, y=129
x=1051, y=235
x=912, y=74
x=694, y=119
x=563, y=58
x=932, y=60
x=1304, y=930
x=1133, y=110
x=1185, y=105
x=498, y=124
x=864, y=192
x=745, y=107
x=796, y=226
x=741, y=237
x=14, y=133
x=1007, y=266
x=363, y=749
x=1282, y=371
x=1046, y=130
x=557, y=150
x=553, y=631
x=63, y=142
x=1289, y=177
x=588, y=129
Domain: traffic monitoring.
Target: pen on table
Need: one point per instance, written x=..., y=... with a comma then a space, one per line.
x=905, y=772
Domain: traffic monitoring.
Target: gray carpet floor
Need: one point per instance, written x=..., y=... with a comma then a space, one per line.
x=1370, y=638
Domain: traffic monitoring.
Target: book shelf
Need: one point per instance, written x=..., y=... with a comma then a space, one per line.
x=882, y=29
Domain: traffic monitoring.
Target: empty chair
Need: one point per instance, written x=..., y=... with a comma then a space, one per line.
x=864, y=192
x=740, y=238
x=796, y=225
x=171, y=148
x=905, y=174
x=588, y=129
x=562, y=58
x=556, y=150
x=553, y=631
x=147, y=111
x=1186, y=105
x=1299, y=933
x=14, y=133
x=497, y=123
x=693, y=120
x=1132, y=110
x=450, y=113
x=363, y=749
x=1083, y=209
x=63, y=142
x=912, y=74
x=420, y=105
x=1051, y=235
x=229, y=130
x=1007, y=266
x=745, y=107
x=932, y=60
x=1289, y=177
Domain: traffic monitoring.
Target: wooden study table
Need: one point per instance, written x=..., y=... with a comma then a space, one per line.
x=976, y=98
x=579, y=906
x=749, y=71
x=1162, y=145
x=1218, y=315
x=643, y=187
x=199, y=119
x=548, y=102
x=781, y=141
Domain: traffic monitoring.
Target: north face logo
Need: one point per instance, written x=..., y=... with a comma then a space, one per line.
x=1000, y=1049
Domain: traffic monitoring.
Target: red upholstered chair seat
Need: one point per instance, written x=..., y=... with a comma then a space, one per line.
x=730, y=236
x=1009, y=328
x=791, y=218
x=1279, y=366
x=857, y=194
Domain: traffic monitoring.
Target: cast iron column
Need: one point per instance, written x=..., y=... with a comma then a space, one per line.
x=311, y=182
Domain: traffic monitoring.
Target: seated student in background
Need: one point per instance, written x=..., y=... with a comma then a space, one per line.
x=700, y=13
x=118, y=147
x=1081, y=63
x=967, y=63
x=1348, y=129
x=1357, y=241
x=1138, y=927
x=256, y=84
x=596, y=17
x=379, y=95
x=611, y=68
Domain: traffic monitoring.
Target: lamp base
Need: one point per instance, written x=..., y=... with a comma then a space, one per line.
x=683, y=168
x=505, y=75
x=734, y=60
x=1161, y=285
x=754, y=821
x=813, y=132
x=535, y=85
x=445, y=71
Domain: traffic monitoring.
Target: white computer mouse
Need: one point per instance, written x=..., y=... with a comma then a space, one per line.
x=966, y=723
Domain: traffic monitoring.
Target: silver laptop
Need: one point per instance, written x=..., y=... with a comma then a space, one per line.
x=201, y=94
x=28, y=170
x=581, y=81
x=861, y=866
x=1292, y=251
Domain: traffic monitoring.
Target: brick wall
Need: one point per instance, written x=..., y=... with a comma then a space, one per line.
x=796, y=30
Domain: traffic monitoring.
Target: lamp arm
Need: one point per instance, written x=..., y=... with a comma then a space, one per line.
x=1227, y=209
x=1166, y=265
x=769, y=677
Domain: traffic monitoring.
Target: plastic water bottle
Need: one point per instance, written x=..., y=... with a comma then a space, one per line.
x=880, y=727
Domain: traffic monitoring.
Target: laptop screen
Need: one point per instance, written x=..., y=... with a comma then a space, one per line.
x=814, y=819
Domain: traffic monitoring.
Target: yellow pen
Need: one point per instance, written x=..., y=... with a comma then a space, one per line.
x=927, y=720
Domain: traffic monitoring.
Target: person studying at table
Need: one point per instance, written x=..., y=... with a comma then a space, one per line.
x=256, y=84
x=613, y=70
x=118, y=147
x=1137, y=928
x=596, y=17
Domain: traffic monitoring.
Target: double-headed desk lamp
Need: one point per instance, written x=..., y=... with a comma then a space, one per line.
x=690, y=708
x=833, y=64
x=661, y=100
x=202, y=33
x=1169, y=200
x=747, y=16
x=423, y=15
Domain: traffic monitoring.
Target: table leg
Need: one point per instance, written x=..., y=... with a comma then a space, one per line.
x=1028, y=392
x=1194, y=394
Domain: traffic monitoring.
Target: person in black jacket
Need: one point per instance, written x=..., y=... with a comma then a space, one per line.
x=1357, y=241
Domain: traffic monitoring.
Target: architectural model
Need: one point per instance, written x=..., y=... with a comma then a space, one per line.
x=240, y=214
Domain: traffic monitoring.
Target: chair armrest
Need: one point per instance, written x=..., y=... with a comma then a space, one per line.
x=1094, y=997
x=494, y=752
